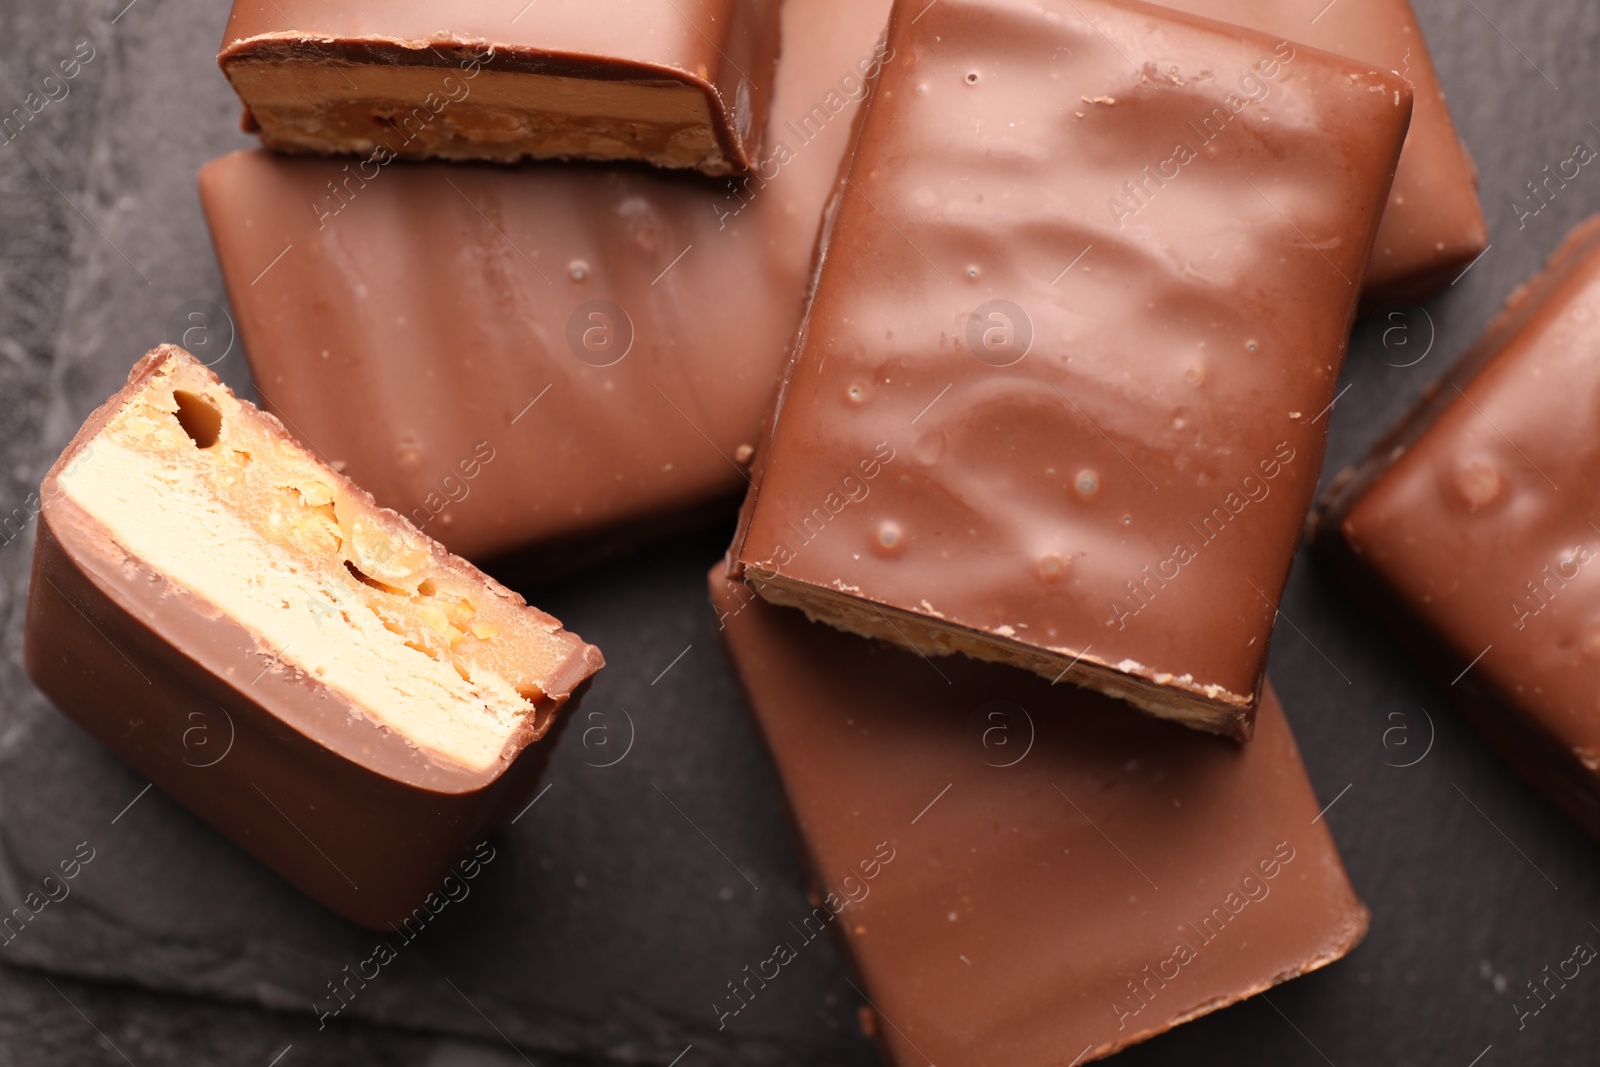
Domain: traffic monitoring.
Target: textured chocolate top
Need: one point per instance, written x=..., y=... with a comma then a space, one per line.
x=1029, y=875
x=726, y=47
x=415, y=316
x=1083, y=337
x=1478, y=514
x=1433, y=225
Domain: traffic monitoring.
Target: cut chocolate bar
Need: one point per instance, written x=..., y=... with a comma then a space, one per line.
x=1473, y=529
x=554, y=359
x=1433, y=225
x=1023, y=874
x=329, y=688
x=1060, y=399
x=677, y=83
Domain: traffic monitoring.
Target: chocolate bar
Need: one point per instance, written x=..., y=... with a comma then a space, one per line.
x=1472, y=530
x=597, y=345
x=1433, y=225
x=324, y=685
x=1020, y=873
x=677, y=83
x=1060, y=398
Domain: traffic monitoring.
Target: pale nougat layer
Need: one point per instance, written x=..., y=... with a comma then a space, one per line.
x=206, y=490
x=314, y=106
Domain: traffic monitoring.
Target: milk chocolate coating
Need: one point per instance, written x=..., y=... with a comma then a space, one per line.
x=1433, y=225
x=1050, y=852
x=1050, y=406
x=290, y=770
x=1473, y=530
x=419, y=313
x=725, y=49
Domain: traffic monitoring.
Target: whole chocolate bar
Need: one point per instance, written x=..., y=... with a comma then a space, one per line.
x=1473, y=530
x=1026, y=874
x=677, y=83
x=1060, y=397
x=1433, y=225
x=547, y=357
x=327, y=687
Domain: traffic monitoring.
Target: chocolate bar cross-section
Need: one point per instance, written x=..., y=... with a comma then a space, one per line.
x=677, y=83
x=348, y=702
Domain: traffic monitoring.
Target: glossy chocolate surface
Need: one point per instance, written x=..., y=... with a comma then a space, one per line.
x=291, y=770
x=1050, y=405
x=1473, y=529
x=611, y=336
x=1023, y=874
x=723, y=48
x=1433, y=225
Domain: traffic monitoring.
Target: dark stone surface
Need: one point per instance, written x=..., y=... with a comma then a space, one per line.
x=59, y=1023
x=609, y=922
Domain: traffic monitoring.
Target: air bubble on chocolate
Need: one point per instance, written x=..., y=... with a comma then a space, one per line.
x=1087, y=484
x=972, y=272
x=578, y=270
x=1052, y=568
x=890, y=540
x=1479, y=484
x=856, y=394
x=643, y=225
x=1251, y=346
x=972, y=78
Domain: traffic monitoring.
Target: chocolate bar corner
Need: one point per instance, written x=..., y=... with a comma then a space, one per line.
x=1433, y=224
